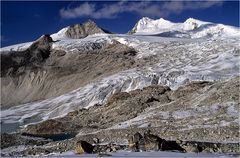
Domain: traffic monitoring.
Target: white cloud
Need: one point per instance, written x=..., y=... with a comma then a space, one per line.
x=152, y=9
x=85, y=9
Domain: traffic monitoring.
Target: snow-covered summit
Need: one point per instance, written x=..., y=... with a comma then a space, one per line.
x=149, y=25
x=153, y=23
x=60, y=34
x=191, y=24
x=191, y=28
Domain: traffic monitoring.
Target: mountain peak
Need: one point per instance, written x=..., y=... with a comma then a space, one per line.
x=89, y=22
x=191, y=20
x=145, y=19
x=42, y=42
x=146, y=23
x=77, y=31
x=192, y=24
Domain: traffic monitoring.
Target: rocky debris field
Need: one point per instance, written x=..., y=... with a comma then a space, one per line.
x=209, y=107
x=211, y=118
x=136, y=142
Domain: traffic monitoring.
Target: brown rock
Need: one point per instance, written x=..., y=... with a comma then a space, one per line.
x=152, y=142
x=134, y=141
x=83, y=30
x=83, y=147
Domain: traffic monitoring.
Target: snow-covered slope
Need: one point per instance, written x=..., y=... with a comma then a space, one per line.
x=191, y=28
x=16, y=47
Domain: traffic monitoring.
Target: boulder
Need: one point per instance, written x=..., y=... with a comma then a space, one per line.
x=83, y=147
x=152, y=142
x=135, y=141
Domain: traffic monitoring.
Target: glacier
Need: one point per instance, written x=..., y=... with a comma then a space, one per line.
x=177, y=61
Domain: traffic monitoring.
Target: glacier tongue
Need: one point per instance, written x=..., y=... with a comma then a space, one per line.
x=169, y=61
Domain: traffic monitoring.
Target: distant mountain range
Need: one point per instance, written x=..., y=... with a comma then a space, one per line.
x=191, y=28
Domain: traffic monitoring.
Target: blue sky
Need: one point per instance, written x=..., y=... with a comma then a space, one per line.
x=26, y=21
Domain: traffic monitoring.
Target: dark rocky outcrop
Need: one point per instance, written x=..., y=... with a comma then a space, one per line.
x=83, y=30
x=15, y=62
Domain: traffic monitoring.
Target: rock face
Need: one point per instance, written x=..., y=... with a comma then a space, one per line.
x=83, y=147
x=83, y=30
x=135, y=142
x=152, y=142
x=40, y=72
x=13, y=62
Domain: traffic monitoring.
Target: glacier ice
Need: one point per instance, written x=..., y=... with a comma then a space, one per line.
x=177, y=61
